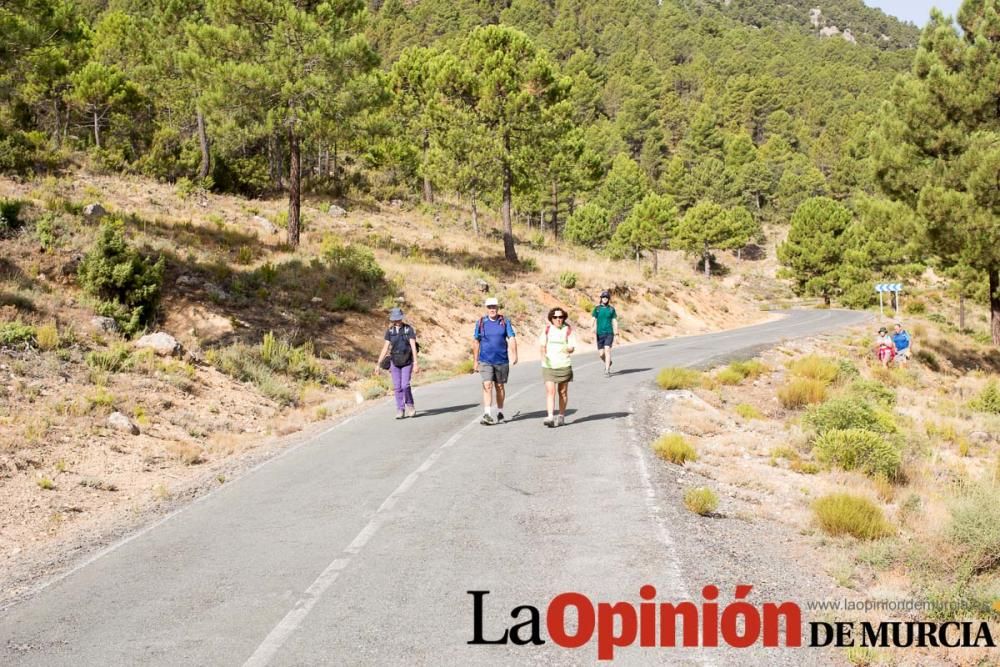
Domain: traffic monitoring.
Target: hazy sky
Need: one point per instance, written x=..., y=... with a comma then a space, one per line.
x=915, y=11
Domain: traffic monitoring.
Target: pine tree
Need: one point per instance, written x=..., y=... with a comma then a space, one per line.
x=648, y=227
x=624, y=187
x=708, y=226
x=939, y=143
x=503, y=81
x=812, y=254
x=282, y=66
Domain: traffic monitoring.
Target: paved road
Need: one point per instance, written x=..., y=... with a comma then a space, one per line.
x=358, y=547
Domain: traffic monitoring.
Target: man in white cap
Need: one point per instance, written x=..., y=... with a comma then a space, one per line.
x=494, y=350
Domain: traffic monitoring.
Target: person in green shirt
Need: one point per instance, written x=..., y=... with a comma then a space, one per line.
x=606, y=326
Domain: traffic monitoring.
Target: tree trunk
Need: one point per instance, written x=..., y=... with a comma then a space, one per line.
x=995, y=304
x=708, y=266
x=294, y=203
x=555, y=209
x=508, y=230
x=206, y=163
x=475, y=214
x=97, y=130
x=826, y=300
x=428, y=188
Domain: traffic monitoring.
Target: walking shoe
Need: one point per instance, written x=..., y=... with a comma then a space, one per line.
x=499, y=417
x=399, y=414
x=607, y=372
x=549, y=421
x=487, y=421
x=560, y=420
x=410, y=411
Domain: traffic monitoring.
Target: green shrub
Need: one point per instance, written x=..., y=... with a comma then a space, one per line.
x=678, y=378
x=299, y=362
x=975, y=526
x=244, y=363
x=847, y=369
x=10, y=215
x=928, y=359
x=585, y=304
x=675, y=448
x=988, y=399
x=567, y=279
x=125, y=283
x=815, y=367
x=801, y=391
x=857, y=449
x=844, y=514
x=849, y=412
x=701, y=500
x=876, y=392
x=536, y=239
x=45, y=232
x=915, y=307
x=16, y=333
x=747, y=411
x=590, y=225
x=354, y=263
x=115, y=359
x=729, y=376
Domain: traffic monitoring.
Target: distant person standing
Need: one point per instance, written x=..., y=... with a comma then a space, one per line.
x=399, y=357
x=605, y=326
x=885, y=349
x=494, y=351
x=903, y=342
x=557, y=342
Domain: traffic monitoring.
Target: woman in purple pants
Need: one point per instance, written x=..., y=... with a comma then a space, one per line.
x=400, y=351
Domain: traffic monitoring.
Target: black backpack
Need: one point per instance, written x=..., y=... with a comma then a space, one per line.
x=404, y=357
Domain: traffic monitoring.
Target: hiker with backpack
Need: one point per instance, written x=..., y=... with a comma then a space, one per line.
x=494, y=351
x=557, y=343
x=904, y=343
x=399, y=357
x=885, y=348
x=605, y=326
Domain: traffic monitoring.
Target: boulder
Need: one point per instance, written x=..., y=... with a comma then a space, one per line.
x=160, y=342
x=482, y=285
x=120, y=422
x=265, y=225
x=186, y=281
x=104, y=324
x=337, y=211
x=94, y=212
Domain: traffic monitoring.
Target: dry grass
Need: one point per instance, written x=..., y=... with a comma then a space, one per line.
x=802, y=391
x=187, y=453
x=675, y=448
x=747, y=411
x=701, y=500
x=814, y=367
x=678, y=378
x=846, y=514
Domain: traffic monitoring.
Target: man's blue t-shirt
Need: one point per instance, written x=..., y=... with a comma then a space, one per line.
x=493, y=340
x=901, y=340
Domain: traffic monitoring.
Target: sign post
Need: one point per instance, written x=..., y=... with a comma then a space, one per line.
x=896, y=289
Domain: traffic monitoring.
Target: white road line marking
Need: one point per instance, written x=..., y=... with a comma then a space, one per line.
x=275, y=639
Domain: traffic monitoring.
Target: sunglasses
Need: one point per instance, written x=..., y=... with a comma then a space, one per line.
x=559, y=317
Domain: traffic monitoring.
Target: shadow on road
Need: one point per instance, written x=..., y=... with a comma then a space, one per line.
x=629, y=371
x=537, y=415
x=598, y=417
x=441, y=411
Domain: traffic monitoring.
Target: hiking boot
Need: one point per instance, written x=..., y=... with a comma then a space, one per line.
x=560, y=420
x=549, y=421
x=487, y=421
x=499, y=417
x=410, y=411
x=399, y=414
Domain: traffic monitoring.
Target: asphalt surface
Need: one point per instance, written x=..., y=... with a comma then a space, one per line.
x=358, y=546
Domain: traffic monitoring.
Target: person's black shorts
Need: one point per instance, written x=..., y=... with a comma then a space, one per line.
x=605, y=340
x=494, y=372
